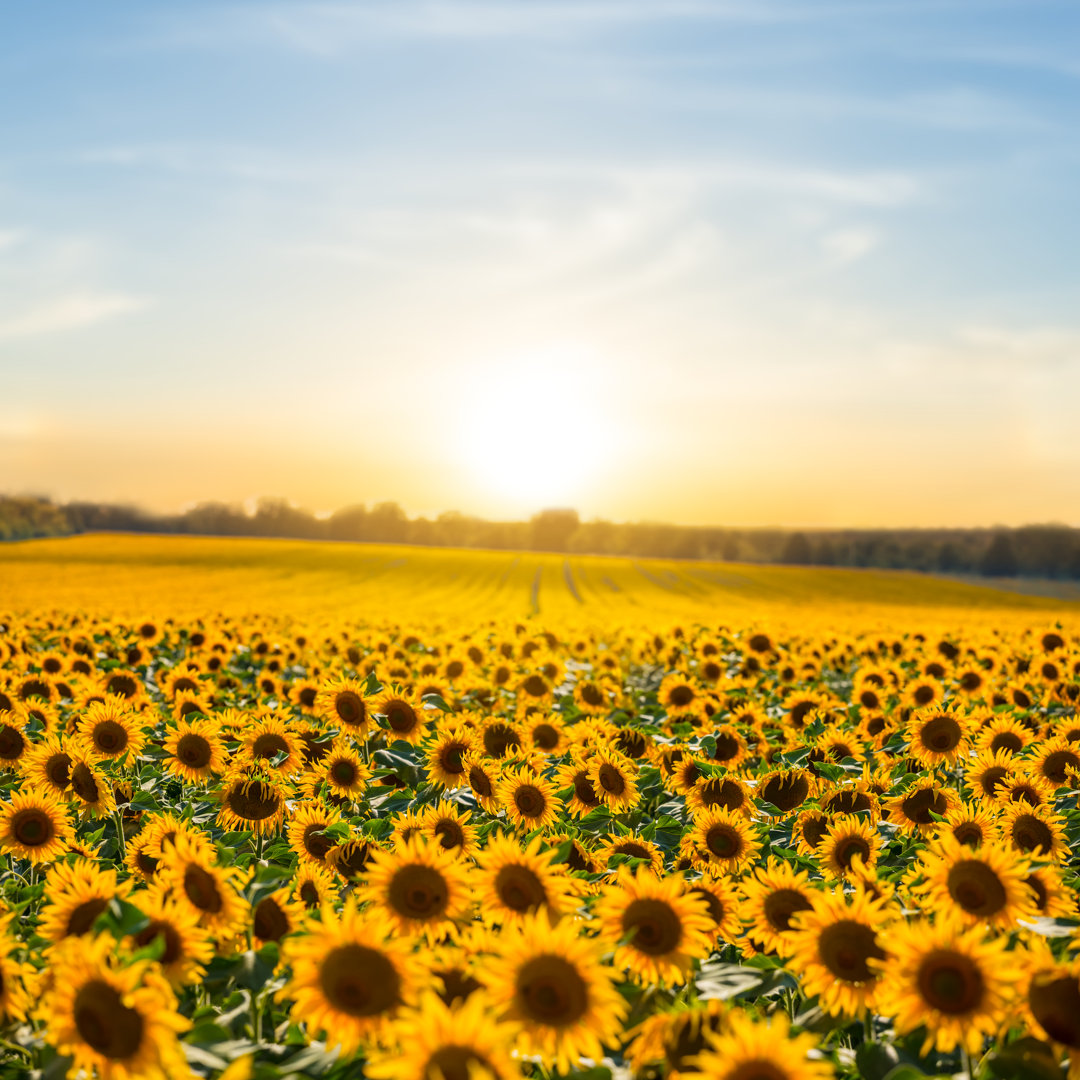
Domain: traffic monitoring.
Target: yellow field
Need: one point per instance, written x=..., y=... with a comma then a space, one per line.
x=134, y=576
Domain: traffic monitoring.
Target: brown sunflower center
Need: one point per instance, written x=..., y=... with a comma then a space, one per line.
x=351, y=858
x=1056, y=762
x=12, y=743
x=1007, y=740
x=344, y=772
x=611, y=780
x=786, y=791
x=519, y=888
x=401, y=717
x=450, y=833
x=680, y=696
x=757, y=1069
x=194, y=751
x=82, y=780
x=350, y=708
x=173, y=946
x=654, y=926
x=310, y=894
x=724, y=841
x=457, y=984
x=315, y=843
x=109, y=737
x=976, y=888
x=123, y=685
x=83, y=916
x=254, y=801
x=584, y=791
x=941, y=734
x=591, y=694
x=450, y=758
x=551, y=990
x=269, y=744
x=58, y=770
x=105, y=1023
x=545, y=736
x=968, y=833
x=782, y=905
x=845, y=947
x=147, y=863
x=270, y=923
x=1030, y=833
x=919, y=804
x=480, y=783
x=847, y=848
x=202, y=890
x=360, y=981
x=950, y=982
x=457, y=1063
x=992, y=779
x=529, y=800
x=419, y=892
x=535, y=686
x=720, y=791
x=1056, y=1007
x=32, y=827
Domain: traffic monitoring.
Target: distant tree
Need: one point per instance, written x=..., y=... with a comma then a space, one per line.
x=999, y=559
x=825, y=554
x=387, y=523
x=797, y=551
x=551, y=529
x=732, y=549
x=348, y=523
x=948, y=557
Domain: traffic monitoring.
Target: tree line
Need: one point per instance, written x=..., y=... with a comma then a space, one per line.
x=1046, y=551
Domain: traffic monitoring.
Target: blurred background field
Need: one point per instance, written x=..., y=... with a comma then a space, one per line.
x=130, y=576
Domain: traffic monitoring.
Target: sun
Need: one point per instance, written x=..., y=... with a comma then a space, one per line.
x=534, y=427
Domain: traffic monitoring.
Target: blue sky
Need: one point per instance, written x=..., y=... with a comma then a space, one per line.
x=803, y=263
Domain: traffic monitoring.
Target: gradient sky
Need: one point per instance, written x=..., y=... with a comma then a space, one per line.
x=744, y=262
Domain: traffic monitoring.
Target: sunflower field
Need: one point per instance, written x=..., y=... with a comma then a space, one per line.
x=275, y=810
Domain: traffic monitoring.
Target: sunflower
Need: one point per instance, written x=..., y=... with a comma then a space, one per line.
x=786, y=789
x=91, y=787
x=115, y=1019
x=679, y=695
x=612, y=777
x=196, y=750
x=636, y=847
x=34, y=825
x=937, y=735
x=444, y=824
x=342, y=702
x=956, y=983
x=305, y=832
x=990, y=773
x=420, y=888
x=482, y=781
x=832, y=945
x=13, y=740
x=47, y=765
x=1026, y=787
x=163, y=830
x=574, y=778
x=749, y=1049
x=530, y=800
x=723, y=840
x=265, y=741
x=343, y=771
x=971, y=824
x=675, y=1038
x=593, y=696
x=981, y=886
x=722, y=905
x=78, y=893
x=202, y=886
x=552, y=982
x=350, y=977
x=446, y=756
x=512, y=882
x=451, y=972
x=251, y=800
x=720, y=793
x=1035, y=830
x=500, y=737
x=1055, y=757
x=404, y=715
x=578, y=857
x=656, y=928
x=922, y=692
x=772, y=896
x=351, y=858
x=1002, y=733
x=1051, y=997
x=913, y=808
x=1053, y=898
x=276, y=915
x=545, y=732
x=849, y=844
x=186, y=947
x=15, y=999
x=314, y=886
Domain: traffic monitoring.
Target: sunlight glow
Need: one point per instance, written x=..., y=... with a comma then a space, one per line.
x=534, y=432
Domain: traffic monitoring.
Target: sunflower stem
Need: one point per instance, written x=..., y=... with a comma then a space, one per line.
x=119, y=819
x=968, y=1067
x=256, y=1019
x=259, y=846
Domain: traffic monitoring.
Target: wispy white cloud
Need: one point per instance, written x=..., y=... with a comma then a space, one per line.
x=844, y=246
x=70, y=312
